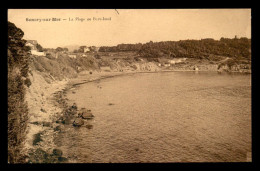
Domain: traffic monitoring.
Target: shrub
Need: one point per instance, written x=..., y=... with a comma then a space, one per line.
x=27, y=82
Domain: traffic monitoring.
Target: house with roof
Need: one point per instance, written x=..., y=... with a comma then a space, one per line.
x=33, y=46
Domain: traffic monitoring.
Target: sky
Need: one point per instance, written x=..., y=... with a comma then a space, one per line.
x=128, y=25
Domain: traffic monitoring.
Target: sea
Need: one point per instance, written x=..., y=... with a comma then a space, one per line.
x=163, y=117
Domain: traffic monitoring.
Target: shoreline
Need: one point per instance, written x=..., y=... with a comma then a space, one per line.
x=114, y=74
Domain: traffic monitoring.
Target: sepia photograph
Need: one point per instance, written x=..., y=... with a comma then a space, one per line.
x=129, y=86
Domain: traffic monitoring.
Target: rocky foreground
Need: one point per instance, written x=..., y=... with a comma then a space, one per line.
x=42, y=111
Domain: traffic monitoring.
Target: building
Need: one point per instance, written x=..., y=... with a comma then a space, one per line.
x=72, y=56
x=33, y=46
x=177, y=60
x=86, y=49
x=90, y=49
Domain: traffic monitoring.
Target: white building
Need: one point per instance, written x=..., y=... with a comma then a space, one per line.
x=177, y=60
x=34, y=51
x=86, y=49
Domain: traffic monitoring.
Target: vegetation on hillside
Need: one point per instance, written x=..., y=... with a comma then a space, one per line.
x=17, y=80
x=39, y=47
x=121, y=48
x=201, y=49
x=62, y=67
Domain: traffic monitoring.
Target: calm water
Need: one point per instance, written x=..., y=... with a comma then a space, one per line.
x=163, y=117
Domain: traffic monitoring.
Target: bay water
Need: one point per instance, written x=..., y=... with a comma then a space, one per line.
x=163, y=117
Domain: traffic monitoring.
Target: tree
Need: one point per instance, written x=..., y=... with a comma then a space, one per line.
x=81, y=49
x=92, y=48
x=39, y=47
x=59, y=49
x=18, y=52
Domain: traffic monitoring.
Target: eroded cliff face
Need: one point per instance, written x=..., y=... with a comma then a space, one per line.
x=41, y=113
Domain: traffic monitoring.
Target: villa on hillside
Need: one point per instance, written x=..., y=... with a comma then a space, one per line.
x=33, y=46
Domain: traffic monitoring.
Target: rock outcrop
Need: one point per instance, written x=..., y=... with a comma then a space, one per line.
x=78, y=122
x=85, y=114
